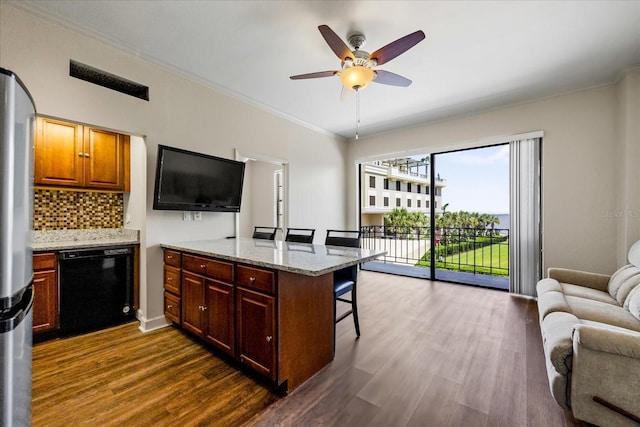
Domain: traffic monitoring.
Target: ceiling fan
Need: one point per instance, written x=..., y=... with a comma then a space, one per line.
x=357, y=65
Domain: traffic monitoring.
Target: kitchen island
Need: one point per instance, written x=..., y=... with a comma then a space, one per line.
x=267, y=304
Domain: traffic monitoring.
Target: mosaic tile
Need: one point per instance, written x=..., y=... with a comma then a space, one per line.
x=56, y=209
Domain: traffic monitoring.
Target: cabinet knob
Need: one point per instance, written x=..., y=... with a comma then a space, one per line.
x=80, y=154
x=170, y=306
x=169, y=256
x=269, y=338
x=169, y=279
x=203, y=266
x=204, y=308
x=252, y=279
x=86, y=155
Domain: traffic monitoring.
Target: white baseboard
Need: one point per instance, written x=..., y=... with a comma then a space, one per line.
x=148, y=325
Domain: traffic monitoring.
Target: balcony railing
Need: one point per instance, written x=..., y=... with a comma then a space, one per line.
x=469, y=250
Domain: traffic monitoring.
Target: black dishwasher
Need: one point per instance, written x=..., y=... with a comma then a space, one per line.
x=96, y=288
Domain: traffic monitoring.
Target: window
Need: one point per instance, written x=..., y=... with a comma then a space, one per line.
x=397, y=203
x=419, y=189
x=426, y=189
x=426, y=204
x=372, y=182
x=397, y=185
x=435, y=205
x=386, y=183
x=408, y=187
x=419, y=202
x=408, y=203
x=372, y=200
x=386, y=201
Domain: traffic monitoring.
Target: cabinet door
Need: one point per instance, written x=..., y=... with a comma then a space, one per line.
x=255, y=314
x=193, y=303
x=104, y=159
x=59, y=155
x=220, y=316
x=45, y=301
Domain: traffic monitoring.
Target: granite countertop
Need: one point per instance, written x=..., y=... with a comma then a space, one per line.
x=299, y=258
x=55, y=240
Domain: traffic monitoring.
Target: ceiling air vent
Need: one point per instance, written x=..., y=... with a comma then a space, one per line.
x=108, y=80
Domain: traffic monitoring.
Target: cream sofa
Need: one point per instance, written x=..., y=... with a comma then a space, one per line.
x=591, y=336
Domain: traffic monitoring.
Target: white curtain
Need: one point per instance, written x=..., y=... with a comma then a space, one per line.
x=525, y=248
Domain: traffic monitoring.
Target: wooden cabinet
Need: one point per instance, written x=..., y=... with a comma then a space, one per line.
x=278, y=323
x=193, y=303
x=104, y=159
x=172, y=307
x=172, y=286
x=256, y=325
x=208, y=301
x=72, y=155
x=219, y=303
x=46, y=315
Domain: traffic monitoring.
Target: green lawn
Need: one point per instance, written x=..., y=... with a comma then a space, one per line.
x=492, y=260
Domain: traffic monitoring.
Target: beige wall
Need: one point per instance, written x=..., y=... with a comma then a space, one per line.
x=580, y=167
x=180, y=113
x=259, y=181
x=627, y=212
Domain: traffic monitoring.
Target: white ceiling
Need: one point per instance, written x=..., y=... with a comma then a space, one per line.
x=477, y=55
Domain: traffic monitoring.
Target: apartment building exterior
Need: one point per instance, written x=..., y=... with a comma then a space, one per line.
x=398, y=183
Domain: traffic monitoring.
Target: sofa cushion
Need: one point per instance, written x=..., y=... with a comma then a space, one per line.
x=557, y=330
x=596, y=311
x=632, y=303
x=590, y=293
x=623, y=281
x=634, y=254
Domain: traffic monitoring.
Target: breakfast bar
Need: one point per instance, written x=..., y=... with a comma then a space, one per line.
x=268, y=304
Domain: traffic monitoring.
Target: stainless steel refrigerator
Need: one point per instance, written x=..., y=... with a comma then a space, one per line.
x=17, y=122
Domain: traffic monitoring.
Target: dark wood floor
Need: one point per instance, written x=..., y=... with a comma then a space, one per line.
x=430, y=354
x=121, y=377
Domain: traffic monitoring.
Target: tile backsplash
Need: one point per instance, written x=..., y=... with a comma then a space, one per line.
x=59, y=209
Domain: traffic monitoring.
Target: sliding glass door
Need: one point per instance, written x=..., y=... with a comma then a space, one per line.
x=449, y=216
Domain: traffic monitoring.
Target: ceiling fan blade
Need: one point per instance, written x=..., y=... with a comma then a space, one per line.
x=314, y=75
x=336, y=44
x=398, y=47
x=392, y=79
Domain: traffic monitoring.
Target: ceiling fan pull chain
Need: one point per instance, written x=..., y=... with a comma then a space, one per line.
x=357, y=111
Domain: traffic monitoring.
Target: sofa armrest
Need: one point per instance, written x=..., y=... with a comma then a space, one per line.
x=614, y=341
x=582, y=278
x=605, y=379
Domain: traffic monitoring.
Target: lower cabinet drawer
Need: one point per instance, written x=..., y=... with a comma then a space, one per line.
x=256, y=278
x=172, y=279
x=46, y=261
x=172, y=309
x=213, y=269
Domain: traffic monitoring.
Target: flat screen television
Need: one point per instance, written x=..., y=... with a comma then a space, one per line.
x=189, y=181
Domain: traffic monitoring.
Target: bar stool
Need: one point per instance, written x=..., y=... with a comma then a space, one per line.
x=266, y=233
x=345, y=280
x=300, y=235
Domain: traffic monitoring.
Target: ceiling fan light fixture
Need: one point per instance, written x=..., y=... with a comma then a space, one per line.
x=357, y=77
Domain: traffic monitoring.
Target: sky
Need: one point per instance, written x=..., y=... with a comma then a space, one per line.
x=477, y=180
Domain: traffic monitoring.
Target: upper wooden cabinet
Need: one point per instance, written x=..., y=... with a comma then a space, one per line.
x=72, y=155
